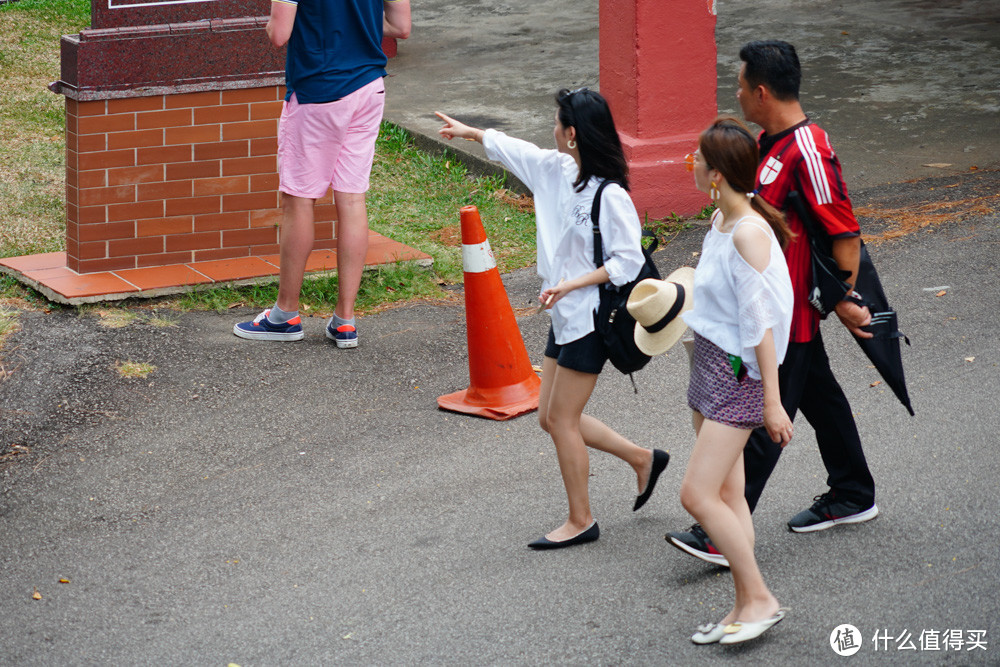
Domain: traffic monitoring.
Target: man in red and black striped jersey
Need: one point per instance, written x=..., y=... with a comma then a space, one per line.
x=796, y=156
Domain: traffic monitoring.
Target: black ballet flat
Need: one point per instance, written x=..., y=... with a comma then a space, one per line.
x=660, y=461
x=589, y=535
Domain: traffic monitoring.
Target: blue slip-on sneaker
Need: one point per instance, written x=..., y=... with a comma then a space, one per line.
x=261, y=328
x=345, y=336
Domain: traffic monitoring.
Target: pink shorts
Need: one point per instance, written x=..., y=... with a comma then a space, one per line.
x=329, y=145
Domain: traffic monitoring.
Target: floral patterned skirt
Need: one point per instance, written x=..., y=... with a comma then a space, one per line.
x=715, y=392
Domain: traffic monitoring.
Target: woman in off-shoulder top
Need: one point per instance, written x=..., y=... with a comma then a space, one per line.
x=741, y=320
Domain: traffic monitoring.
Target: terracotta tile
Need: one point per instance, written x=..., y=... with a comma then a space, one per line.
x=379, y=241
x=322, y=260
x=156, y=277
x=382, y=250
x=235, y=269
x=41, y=275
x=49, y=270
x=319, y=260
x=48, y=260
x=72, y=285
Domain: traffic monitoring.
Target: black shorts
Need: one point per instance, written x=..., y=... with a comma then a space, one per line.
x=586, y=354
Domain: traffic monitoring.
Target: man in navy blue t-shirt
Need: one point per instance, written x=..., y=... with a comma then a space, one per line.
x=326, y=138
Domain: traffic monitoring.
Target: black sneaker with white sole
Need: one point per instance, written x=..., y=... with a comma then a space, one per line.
x=697, y=543
x=828, y=511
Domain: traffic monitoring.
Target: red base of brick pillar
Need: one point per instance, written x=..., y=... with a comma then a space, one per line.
x=658, y=73
x=660, y=183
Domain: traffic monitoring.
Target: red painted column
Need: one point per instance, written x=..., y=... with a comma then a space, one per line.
x=658, y=73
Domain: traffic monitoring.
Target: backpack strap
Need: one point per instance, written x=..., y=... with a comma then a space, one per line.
x=595, y=214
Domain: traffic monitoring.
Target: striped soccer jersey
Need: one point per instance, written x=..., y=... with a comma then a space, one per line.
x=801, y=158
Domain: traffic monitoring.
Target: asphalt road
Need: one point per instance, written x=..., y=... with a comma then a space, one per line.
x=272, y=504
x=295, y=504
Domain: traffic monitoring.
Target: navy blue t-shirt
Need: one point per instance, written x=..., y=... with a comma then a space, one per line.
x=335, y=48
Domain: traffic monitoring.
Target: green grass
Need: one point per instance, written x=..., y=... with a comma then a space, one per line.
x=416, y=197
x=8, y=325
x=67, y=12
x=380, y=287
x=32, y=154
x=134, y=369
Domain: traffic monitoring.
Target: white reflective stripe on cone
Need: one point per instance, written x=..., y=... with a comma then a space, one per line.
x=478, y=258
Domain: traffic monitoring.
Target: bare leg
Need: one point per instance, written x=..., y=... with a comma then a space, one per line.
x=733, y=488
x=716, y=452
x=562, y=397
x=297, y=235
x=734, y=495
x=352, y=247
x=600, y=436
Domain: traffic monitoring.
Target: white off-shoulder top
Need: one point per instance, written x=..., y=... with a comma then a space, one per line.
x=734, y=304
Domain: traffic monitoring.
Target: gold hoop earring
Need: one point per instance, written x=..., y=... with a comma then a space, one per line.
x=714, y=192
x=571, y=144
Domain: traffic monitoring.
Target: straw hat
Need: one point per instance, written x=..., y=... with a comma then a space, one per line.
x=657, y=306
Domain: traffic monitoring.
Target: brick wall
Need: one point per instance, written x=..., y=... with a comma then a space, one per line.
x=171, y=179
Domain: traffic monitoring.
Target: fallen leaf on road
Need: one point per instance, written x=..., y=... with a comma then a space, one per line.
x=64, y=581
x=36, y=595
x=942, y=292
x=875, y=383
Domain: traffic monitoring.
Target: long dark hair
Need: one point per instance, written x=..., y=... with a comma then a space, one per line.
x=601, y=153
x=728, y=147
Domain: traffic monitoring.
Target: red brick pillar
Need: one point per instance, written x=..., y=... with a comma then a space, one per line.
x=658, y=73
x=175, y=178
x=171, y=135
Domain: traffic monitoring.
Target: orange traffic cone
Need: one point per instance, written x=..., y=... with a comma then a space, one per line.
x=502, y=382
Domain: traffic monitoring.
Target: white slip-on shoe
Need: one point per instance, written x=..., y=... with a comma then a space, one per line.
x=709, y=633
x=742, y=631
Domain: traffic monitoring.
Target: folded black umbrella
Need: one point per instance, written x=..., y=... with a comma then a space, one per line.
x=883, y=348
x=829, y=281
x=828, y=289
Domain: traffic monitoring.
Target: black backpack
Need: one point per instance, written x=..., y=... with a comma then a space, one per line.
x=615, y=325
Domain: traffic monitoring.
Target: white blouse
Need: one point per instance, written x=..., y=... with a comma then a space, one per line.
x=734, y=304
x=564, y=230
